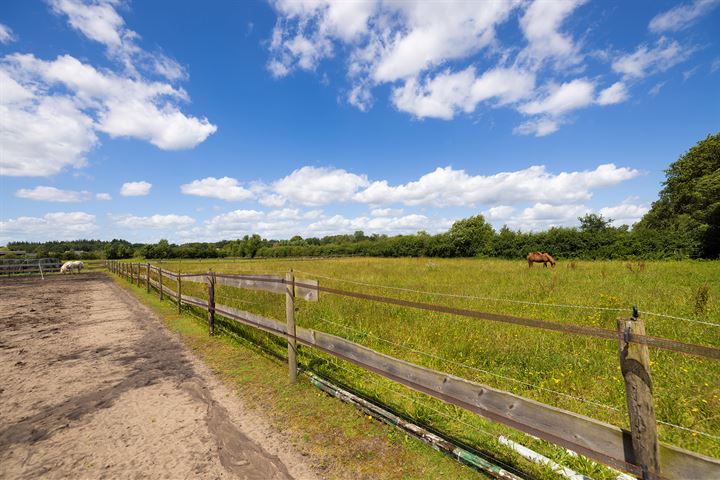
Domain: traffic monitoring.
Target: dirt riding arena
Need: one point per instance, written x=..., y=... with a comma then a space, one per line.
x=93, y=386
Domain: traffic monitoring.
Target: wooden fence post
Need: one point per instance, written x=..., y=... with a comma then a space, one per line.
x=211, y=302
x=147, y=277
x=635, y=367
x=162, y=297
x=290, y=315
x=179, y=292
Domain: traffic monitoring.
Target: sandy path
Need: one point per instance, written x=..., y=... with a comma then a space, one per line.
x=92, y=386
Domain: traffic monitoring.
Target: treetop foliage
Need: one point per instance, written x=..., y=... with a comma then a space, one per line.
x=689, y=203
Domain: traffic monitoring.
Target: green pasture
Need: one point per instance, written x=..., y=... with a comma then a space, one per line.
x=574, y=373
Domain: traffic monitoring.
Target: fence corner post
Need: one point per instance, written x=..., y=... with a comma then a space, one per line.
x=635, y=368
x=290, y=314
x=211, y=302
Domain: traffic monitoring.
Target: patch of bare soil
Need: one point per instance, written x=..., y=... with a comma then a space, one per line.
x=93, y=386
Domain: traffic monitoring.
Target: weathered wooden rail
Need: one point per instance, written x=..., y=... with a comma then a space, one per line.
x=636, y=451
x=29, y=266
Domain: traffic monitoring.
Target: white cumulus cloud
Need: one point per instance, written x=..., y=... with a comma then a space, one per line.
x=541, y=26
x=563, y=98
x=224, y=188
x=315, y=186
x=135, y=189
x=153, y=221
x=628, y=212
x=51, y=226
x=406, y=224
x=429, y=53
x=448, y=93
x=50, y=110
x=615, y=93
x=40, y=134
x=51, y=194
x=447, y=186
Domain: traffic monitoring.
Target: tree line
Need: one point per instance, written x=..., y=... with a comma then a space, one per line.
x=683, y=223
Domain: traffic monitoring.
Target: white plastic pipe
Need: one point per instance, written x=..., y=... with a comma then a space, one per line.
x=535, y=457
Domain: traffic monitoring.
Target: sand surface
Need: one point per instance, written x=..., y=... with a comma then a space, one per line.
x=93, y=386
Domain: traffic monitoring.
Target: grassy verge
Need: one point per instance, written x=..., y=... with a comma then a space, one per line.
x=338, y=439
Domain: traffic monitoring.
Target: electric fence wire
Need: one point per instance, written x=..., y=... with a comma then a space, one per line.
x=470, y=367
x=507, y=300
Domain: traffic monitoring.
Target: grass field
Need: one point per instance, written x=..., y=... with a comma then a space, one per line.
x=546, y=366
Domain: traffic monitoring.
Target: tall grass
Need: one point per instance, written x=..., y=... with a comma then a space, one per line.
x=575, y=373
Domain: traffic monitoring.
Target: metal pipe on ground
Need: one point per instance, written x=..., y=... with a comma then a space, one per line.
x=436, y=442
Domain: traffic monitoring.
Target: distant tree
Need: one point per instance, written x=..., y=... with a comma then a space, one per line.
x=593, y=222
x=470, y=237
x=689, y=203
x=163, y=250
x=119, y=249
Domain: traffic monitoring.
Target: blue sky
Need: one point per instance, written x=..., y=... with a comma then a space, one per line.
x=190, y=121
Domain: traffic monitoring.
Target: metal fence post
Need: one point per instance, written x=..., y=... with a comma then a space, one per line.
x=290, y=314
x=635, y=367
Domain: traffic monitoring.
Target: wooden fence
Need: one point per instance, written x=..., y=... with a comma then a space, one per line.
x=636, y=451
x=41, y=266
x=29, y=266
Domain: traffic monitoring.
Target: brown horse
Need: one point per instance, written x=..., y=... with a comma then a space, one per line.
x=540, y=257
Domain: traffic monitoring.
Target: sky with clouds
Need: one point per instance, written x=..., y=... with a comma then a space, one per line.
x=202, y=122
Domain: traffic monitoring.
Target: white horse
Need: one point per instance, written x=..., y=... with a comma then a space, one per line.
x=68, y=267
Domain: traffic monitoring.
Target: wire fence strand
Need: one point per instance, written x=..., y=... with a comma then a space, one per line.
x=507, y=300
x=470, y=367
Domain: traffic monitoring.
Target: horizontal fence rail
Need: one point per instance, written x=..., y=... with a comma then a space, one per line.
x=597, y=440
x=658, y=342
x=28, y=266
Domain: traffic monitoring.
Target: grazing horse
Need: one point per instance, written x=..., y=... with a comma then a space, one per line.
x=540, y=257
x=68, y=267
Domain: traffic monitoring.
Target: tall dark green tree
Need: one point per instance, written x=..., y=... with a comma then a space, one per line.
x=471, y=237
x=689, y=203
